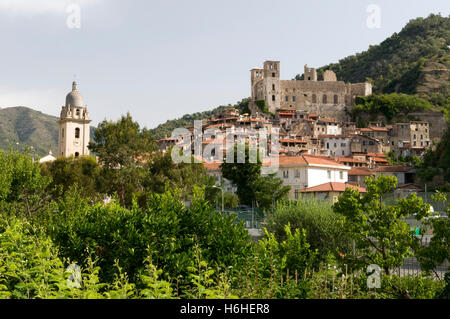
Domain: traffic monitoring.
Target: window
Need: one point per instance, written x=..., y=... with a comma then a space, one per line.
x=343, y=153
x=77, y=154
x=297, y=173
x=77, y=133
x=78, y=112
x=287, y=98
x=314, y=98
x=328, y=145
x=273, y=74
x=293, y=98
x=335, y=99
x=341, y=174
x=62, y=133
x=329, y=174
x=421, y=137
x=273, y=97
x=285, y=174
x=324, y=99
x=273, y=87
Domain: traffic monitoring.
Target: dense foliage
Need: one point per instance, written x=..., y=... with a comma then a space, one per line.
x=60, y=239
x=319, y=220
x=389, y=105
x=244, y=171
x=437, y=162
x=392, y=65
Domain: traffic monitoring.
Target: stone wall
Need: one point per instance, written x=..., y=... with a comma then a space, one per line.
x=438, y=126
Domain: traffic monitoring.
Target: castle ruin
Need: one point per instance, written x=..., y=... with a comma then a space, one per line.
x=321, y=97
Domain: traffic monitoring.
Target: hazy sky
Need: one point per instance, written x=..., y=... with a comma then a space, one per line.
x=162, y=59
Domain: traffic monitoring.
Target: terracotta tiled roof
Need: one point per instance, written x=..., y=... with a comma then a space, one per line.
x=360, y=171
x=392, y=169
x=380, y=160
x=326, y=120
x=379, y=129
x=291, y=140
x=376, y=155
x=332, y=187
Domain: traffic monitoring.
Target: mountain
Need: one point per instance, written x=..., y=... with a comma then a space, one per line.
x=165, y=129
x=22, y=127
x=414, y=61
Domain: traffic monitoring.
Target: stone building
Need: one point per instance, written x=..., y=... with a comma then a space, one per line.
x=411, y=138
x=74, y=130
x=337, y=145
x=362, y=144
x=308, y=94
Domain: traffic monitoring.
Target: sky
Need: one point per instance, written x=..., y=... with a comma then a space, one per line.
x=162, y=59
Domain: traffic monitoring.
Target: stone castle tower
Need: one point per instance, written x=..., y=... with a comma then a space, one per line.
x=328, y=96
x=74, y=130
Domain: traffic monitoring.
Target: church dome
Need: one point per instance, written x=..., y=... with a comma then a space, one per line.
x=74, y=98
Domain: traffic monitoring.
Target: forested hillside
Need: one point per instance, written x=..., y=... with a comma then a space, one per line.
x=414, y=61
x=22, y=127
x=165, y=129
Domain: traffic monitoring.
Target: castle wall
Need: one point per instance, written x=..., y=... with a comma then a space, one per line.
x=309, y=94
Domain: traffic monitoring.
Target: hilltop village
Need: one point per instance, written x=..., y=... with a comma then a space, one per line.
x=321, y=152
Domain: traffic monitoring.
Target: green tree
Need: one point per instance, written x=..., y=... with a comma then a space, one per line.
x=66, y=172
x=438, y=250
x=243, y=175
x=23, y=189
x=163, y=172
x=381, y=236
x=269, y=190
x=324, y=232
x=122, y=147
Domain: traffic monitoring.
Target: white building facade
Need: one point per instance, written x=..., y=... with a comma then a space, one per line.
x=74, y=129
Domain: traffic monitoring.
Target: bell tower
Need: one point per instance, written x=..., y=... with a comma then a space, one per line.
x=74, y=129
